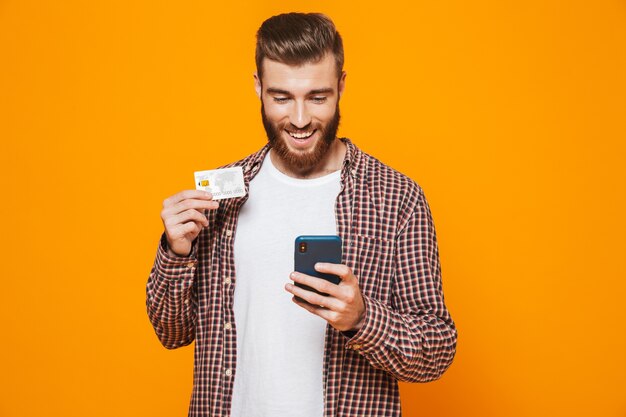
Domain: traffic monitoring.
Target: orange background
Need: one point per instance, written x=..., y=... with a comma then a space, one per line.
x=510, y=115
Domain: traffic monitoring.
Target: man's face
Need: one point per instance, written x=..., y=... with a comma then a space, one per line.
x=300, y=110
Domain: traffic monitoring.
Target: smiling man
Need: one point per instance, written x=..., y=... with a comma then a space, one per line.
x=220, y=272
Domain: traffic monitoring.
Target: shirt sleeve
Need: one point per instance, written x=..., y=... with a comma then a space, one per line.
x=414, y=338
x=171, y=298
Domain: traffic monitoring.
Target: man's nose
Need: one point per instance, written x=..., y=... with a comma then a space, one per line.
x=299, y=116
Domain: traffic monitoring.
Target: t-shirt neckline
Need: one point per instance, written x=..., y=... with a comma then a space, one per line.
x=307, y=182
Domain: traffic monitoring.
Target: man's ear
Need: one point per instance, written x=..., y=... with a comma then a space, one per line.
x=342, y=83
x=257, y=84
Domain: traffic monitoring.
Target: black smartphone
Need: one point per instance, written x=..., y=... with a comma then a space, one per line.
x=311, y=249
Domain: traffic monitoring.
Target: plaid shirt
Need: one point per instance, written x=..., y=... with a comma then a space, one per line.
x=390, y=244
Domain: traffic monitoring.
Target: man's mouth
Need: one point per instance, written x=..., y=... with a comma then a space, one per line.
x=301, y=135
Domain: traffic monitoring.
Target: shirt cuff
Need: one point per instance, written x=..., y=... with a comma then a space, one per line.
x=172, y=266
x=374, y=329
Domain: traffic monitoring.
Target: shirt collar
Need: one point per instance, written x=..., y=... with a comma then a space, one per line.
x=351, y=160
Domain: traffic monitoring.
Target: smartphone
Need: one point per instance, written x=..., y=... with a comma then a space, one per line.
x=311, y=249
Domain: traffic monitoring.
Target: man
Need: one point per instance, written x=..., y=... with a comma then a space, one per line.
x=221, y=267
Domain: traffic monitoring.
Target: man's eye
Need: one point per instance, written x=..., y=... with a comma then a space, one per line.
x=280, y=99
x=319, y=99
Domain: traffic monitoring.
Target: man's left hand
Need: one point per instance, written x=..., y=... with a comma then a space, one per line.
x=343, y=307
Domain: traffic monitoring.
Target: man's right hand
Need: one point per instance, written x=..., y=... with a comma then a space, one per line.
x=183, y=219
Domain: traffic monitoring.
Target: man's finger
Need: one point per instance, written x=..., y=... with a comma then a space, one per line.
x=344, y=272
x=187, y=215
x=319, y=284
x=189, y=227
x=185, y=194
x=311, y=297
x=185, y=205
x=319, y=311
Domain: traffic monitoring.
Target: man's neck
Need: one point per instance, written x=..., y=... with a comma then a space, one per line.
x=331, y=162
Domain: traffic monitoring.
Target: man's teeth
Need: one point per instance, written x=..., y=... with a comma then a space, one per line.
x=301, y=135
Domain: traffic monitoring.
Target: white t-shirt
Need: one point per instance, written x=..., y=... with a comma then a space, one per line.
x=280, y=346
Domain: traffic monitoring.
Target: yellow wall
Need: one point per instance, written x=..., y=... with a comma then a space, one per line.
x=510, y=115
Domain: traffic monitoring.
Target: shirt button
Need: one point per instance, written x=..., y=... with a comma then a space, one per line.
x=229, y=372
x=228, y=326
x=190, y=265
x=356, y=346
x=229, y=233
x=186, y=301
x=227, y=281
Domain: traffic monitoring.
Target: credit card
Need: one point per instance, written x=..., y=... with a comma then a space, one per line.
x=222, y=183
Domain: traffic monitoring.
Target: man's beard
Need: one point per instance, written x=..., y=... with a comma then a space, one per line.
x=301, y=161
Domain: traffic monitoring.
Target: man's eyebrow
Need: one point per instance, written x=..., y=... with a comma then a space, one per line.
x=322, y=91
x=273, y=90
x=277, y=91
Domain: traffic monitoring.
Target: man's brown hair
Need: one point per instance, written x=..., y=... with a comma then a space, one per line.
x=296, y=39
